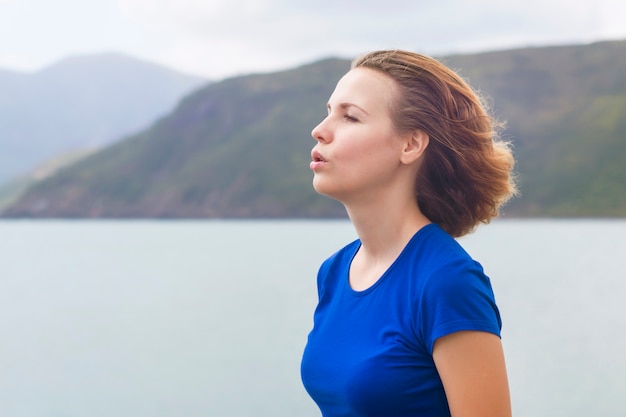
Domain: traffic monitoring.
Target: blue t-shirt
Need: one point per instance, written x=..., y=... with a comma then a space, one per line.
x=370, y=352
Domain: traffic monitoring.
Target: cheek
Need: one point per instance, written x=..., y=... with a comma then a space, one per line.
x=358, y=147
x=372, y=150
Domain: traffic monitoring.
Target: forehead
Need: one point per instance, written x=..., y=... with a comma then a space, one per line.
x=366, y=88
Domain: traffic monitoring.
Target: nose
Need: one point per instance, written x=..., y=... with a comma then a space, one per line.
x=321, y=132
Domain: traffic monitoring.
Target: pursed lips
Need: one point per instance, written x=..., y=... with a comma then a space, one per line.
x=317, y=160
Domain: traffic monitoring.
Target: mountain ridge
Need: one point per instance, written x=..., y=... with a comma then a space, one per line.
x=239, y=148
x=81, y=102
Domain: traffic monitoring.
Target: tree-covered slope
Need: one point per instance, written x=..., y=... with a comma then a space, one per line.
x=565, y=109
x=240, y=148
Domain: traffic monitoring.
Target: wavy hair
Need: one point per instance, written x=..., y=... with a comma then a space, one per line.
x=466, y=171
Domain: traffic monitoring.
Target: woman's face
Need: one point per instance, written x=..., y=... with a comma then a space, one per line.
x=358, y=150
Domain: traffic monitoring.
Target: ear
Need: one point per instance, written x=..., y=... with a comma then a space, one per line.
x=415, y=144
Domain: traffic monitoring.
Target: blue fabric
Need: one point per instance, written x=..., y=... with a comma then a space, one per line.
x=370, y=352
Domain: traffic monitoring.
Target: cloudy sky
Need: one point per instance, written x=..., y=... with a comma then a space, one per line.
x=222, y=38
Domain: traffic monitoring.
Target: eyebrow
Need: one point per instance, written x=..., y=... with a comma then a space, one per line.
x=344, y=106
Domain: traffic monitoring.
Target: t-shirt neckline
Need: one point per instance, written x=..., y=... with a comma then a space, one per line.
x=377, y=283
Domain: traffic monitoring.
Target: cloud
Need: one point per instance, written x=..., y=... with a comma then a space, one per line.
x=231, y=35
x=226, y=37
x=257, y=35
x=219, y=38
x=17, y=62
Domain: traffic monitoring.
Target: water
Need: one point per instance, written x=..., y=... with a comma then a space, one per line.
x=186, y=319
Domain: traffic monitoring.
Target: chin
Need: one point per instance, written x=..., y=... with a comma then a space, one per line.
x=322, y=188
x=319, y=188
x=327, y=191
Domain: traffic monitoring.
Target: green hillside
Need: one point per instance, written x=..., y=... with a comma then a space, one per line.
x=240, y=148
x=566, y=114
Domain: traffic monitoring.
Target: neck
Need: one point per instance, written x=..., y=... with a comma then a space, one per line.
x=385, y=226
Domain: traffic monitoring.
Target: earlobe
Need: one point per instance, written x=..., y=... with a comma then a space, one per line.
x=414, y=147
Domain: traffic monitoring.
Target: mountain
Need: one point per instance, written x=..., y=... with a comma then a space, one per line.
x=81, y=102
x=11, y=190
x=240, y=148
x=566, y=113
x=237, y=148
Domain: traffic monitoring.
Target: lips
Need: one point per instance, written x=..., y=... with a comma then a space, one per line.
x=317, y=160
x=317, y=157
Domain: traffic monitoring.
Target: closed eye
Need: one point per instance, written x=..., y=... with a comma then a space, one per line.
x=350, y=118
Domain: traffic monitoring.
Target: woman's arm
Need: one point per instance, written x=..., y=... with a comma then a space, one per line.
x=472, y=368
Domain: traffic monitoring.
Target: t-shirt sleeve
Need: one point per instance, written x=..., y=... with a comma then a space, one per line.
x=455, y=298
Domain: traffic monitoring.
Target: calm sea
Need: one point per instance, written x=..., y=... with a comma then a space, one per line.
x=190, y=319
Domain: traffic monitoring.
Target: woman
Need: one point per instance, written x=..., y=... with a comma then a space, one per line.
x=406, y=323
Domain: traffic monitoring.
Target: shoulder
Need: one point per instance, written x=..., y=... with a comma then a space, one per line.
x=336, y=266
x=443, y=265
x=434, y=251
x=452, y=291
x=340, y=258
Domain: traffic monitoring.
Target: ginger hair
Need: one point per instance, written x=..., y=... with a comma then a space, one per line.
x=465, y=174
